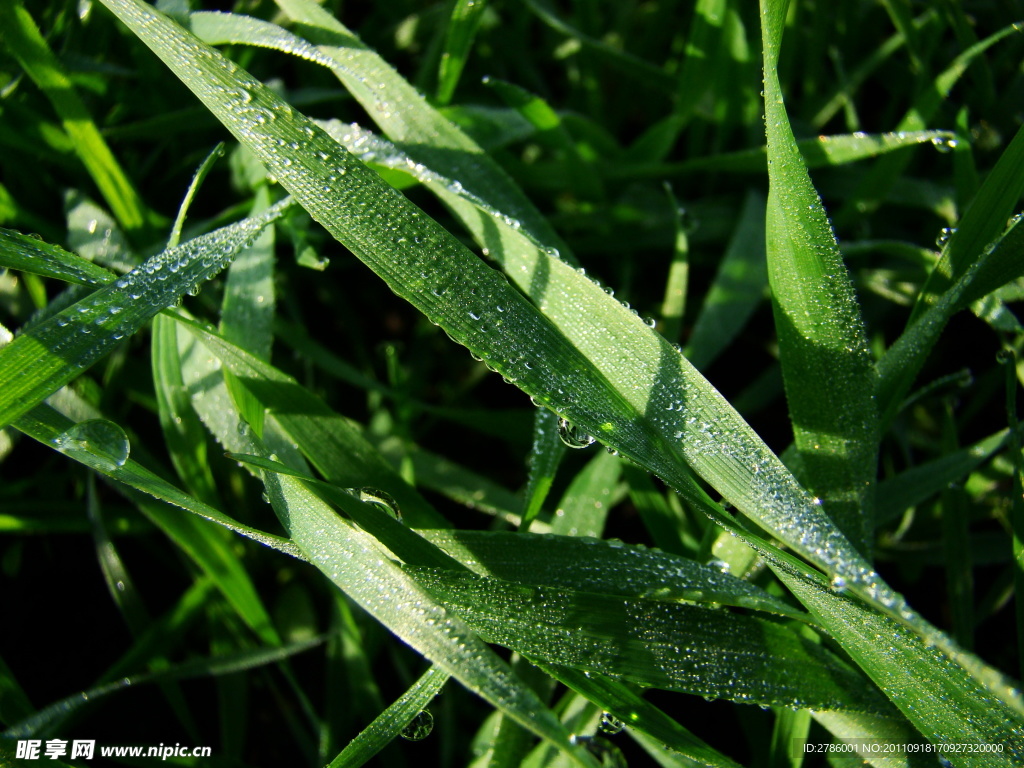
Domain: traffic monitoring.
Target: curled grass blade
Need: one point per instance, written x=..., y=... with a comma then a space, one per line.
x=826, y=364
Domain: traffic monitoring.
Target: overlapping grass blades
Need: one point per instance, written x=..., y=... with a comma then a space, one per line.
x=628, y=412
x=52, y=353
x=638, y=395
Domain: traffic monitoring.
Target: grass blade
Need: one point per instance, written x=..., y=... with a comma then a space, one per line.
x=392, y=721
x=22, y=37
x=828, y=371
x=458, y=40
x=50, y=355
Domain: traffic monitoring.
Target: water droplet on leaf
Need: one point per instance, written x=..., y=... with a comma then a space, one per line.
x=419, y=727
x=98, y=441
x=385, y=500
x=572, y=436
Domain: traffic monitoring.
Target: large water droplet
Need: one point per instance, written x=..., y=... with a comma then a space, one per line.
x=385, y=500
x=419, y=727
x=573, y=436
x=97, y=441
x=610, y=724
x=943, y=238
x=945, y=143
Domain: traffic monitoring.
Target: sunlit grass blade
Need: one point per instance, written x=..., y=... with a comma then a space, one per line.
x=23, y=39
x=672, y=646
x=50, y=355
x=393, y=721
x=826, y=364
x=939, y=697
x=415, y=125
x=458, y=40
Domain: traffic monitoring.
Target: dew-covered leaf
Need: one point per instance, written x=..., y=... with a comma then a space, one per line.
x=591, y=565
x=673, y=646
x=826, y=364
x=355, y=563
x=51, y=354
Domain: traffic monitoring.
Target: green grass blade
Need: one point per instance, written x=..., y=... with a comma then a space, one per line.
x=545, y=457
x=45, y=424
x=27, y=254
x=993, y=267
x=876, y=184
x=353, y=561
x=826, y=364
x=914, y=485
x=584, y=507
x=672, y=646
x=438, y=143
x=621, y=702
x=458, y=40
x=586, y=564
x=393, y=721
x=673, y=306
x=981, y=224
x=817, y=152
x=50, y=355
x=329, y=442
x=22, y=37
x=945, y=703
x=638, y=396
x=195, y=668
x=739, y=286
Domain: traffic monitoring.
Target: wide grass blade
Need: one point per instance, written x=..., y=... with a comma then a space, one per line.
x=51, y=354
x=828, y=371
x=673, y=646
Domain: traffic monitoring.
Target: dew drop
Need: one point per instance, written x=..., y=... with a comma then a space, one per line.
x=610, y=724
x=572, y=436
x=607, y=754
x=98, y=442
x=945, y=144
x=387, y=501
x=943, y=238
x=419, y=727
